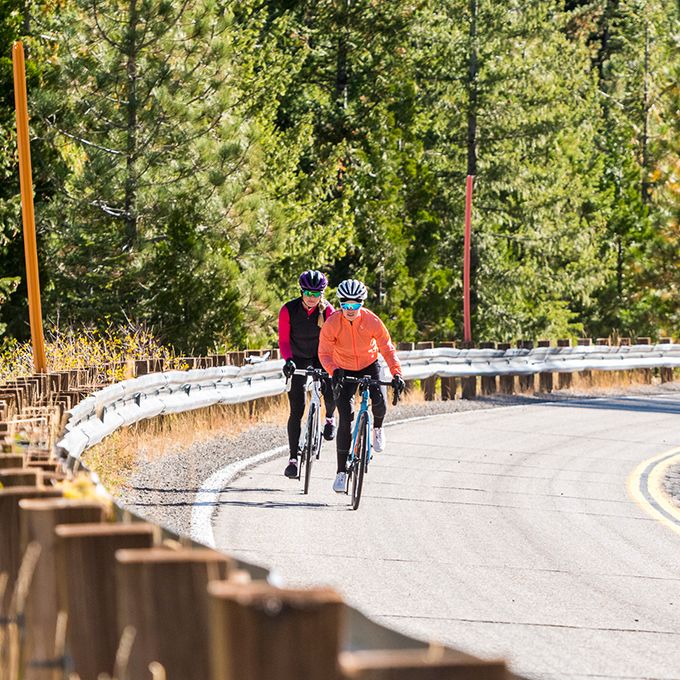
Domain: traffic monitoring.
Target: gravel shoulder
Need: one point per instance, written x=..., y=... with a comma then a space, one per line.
x=162, y=490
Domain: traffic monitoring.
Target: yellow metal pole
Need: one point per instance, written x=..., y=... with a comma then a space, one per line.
x=27, y=212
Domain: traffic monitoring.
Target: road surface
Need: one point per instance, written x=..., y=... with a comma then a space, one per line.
x=505, y=533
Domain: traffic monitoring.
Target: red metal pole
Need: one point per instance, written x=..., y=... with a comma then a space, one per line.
x=467, y=324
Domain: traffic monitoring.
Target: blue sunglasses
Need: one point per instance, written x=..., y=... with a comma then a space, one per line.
x=351, y=305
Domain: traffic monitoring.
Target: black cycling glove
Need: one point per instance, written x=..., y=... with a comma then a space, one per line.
x=398, y=384
x=289, y=368
x=338, y=375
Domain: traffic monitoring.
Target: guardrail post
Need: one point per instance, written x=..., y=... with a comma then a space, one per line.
x=87, y=583
x=666, y=372
x=468, y=386
x=626, y=375
x=564, y=380
x=585, y=376
x=20, y=477
x=448, y=385
x=598, y=375
x=38, y=520
x=11, y=461
x=163, y=595
x=645, y=373
x=526, y=382
x=406, y=347
x=545, y=380
x=418, y=664
x=10, y=537
x=506, y=383
x=487, y=382
x=259, y=632
x=428, y=385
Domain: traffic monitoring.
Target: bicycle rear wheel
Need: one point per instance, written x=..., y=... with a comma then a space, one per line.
x=360, y=453
x=309, y=452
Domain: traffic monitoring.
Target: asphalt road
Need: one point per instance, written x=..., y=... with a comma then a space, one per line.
x=505, y=533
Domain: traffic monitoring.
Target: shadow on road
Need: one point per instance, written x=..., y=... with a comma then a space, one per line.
x=621, y=404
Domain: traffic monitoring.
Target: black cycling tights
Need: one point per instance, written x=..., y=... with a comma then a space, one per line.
x=296, y=398
x=345, y=404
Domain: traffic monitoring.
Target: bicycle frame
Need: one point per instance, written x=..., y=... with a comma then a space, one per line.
x=310, y=448
x=314, y=376
x=363, y=408
x=357, y=467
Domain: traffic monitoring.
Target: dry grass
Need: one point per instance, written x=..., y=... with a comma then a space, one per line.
x=113, y=349
x=116, y=458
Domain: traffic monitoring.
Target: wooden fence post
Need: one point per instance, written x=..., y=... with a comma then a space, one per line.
x=666, y=372
x=259, y=632
x=645, y=373
x=585, y=376
x=11, y=460
x=526, y=382
x=468, y=386
x=506, y=383
x=598, y=375
x=87, y=590
x=448, y=385
x=38, y=520
x=10, y=535
x=487, y=382
x=163, y=594
x=627, y=375
x=564, y=380
x=10, y=477
x=428, y=384
x=418, y=664
x=545, y=380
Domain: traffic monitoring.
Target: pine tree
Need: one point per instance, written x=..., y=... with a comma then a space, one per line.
x=512, y=89
x=163, y=190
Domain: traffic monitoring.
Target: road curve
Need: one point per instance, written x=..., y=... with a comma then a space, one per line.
x=507, y=532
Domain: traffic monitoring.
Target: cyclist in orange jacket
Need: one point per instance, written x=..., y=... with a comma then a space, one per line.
x=349, y=344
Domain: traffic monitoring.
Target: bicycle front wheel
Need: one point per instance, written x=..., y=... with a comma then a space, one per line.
x=360, y=454
x=309, y=452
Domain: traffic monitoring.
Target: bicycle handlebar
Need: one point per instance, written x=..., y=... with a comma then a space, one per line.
x=367, y=381
x=313, y=372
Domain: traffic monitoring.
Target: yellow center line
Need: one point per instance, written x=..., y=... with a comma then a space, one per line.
x=645, y=486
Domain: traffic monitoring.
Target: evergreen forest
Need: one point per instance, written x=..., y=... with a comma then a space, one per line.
x=192, y=157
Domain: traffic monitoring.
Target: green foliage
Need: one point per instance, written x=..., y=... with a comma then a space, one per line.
x=190, y=159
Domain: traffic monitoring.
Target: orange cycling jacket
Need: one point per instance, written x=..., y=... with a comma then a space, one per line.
x=356, y=344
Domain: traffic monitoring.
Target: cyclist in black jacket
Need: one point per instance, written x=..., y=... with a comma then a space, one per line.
x=300, y=322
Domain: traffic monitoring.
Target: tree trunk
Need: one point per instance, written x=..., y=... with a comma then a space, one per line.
x=131, y=150
x=472, y=148
x=644, y=185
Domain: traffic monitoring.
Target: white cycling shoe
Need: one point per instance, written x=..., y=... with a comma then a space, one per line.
x=378, y=439
x=340, y=482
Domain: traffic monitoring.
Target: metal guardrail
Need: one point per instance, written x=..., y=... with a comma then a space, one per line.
x=130, y=401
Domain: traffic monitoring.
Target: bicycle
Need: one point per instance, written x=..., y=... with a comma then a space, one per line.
x=310, y=437
x=360, y=454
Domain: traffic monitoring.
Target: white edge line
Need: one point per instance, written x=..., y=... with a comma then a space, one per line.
x=208, y=495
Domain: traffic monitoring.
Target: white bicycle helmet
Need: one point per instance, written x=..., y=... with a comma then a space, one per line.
x=351, y=289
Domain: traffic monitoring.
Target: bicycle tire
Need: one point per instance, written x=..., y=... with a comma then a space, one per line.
x=309, y=445
x=360, y=453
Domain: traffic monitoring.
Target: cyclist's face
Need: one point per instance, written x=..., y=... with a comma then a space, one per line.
x=350, y=314
x=310, y=301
